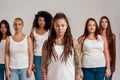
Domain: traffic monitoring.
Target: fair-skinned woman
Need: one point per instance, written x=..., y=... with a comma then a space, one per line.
x=61, y=54
x=95, y=54
x=18, y=54
x=4, y=33
x=105, y=30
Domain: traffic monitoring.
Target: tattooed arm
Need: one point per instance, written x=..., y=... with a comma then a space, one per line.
x=44, y=61
x=77, y=59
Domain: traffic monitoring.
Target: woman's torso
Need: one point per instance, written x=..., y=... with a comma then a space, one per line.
x=93, y=55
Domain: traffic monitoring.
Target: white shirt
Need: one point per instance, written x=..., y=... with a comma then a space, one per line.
x=58, y=70
x=38, y=43
x=93, y=55
x=2, y=51
x=18, y=54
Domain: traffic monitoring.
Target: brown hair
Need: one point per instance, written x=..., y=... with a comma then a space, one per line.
x=86, y=33
x=109, y=35
x=68, y=40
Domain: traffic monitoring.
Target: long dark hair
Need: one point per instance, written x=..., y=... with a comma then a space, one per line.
x=8, y=33
x=109, y=35
x=46, y=15
x=68, y=40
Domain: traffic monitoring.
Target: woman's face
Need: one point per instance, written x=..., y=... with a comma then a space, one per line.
x=3, y=28
x=60, y=27
x=91, y=26
x=41, y=21
x=104, y=23
x=18, y=25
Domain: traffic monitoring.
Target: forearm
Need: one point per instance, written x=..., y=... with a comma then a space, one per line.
x=30, y=61
x=107, y=57
x=7, y=62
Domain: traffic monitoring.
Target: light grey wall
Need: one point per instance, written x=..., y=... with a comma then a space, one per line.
x=77, y=12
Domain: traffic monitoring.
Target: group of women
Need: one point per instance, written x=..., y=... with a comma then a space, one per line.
x=51, y=52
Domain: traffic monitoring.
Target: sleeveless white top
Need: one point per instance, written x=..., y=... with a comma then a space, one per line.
x=38, y=42
x=58, y=70
x=18, y=54
x=93, y=55
x=2, y=51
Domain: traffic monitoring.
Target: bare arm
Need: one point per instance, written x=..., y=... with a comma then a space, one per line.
x=107, y=57
x=44, y=61
x=77, y=59
x=32, y=37
x=7, y=57
x=30, y=52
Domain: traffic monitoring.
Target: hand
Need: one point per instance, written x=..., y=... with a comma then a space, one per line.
x=44, y=74
x=29, y=73
x=81, y=74
x=108, y=73
x=33, y=67
x=8, y=73
x=78, y=76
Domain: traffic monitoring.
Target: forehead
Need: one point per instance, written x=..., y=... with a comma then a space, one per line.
x=61, y=20
x=91, y=22
x=104, y=19
x=18, y=22
x=3, y=25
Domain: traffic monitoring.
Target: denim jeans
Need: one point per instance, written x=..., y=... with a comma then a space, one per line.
x=94, y=73
x=38, y=62
x=2, y=72
x=19, y=74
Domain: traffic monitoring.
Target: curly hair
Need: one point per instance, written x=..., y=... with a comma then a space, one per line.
x=46, y=15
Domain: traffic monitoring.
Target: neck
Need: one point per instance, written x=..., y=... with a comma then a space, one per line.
x=59, y=40
x=91, y=34
x=18, y=33
x=3, y=36
x=41, y=28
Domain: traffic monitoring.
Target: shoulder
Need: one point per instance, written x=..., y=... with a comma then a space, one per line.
x=81, y=38
x=32, y=31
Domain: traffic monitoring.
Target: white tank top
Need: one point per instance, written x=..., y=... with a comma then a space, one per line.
x=58, y=70
x=18, y=54
x=38, y=42
x=93, y=55
x=2, y=51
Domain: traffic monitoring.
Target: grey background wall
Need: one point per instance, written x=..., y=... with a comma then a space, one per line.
x=77, y=11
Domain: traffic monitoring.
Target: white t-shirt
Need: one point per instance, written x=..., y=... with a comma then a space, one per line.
x=38, y=42
x=19, y=54
x=2, y=51
x=93, y=55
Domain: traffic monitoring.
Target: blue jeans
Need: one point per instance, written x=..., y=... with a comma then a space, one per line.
x=94, y=73
x=2, y=72
x=19, y=74
x=38, y=62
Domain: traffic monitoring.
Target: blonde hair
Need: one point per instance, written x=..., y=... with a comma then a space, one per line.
x=18, y=19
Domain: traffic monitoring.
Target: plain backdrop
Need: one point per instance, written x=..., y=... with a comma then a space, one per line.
x=77, y=11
